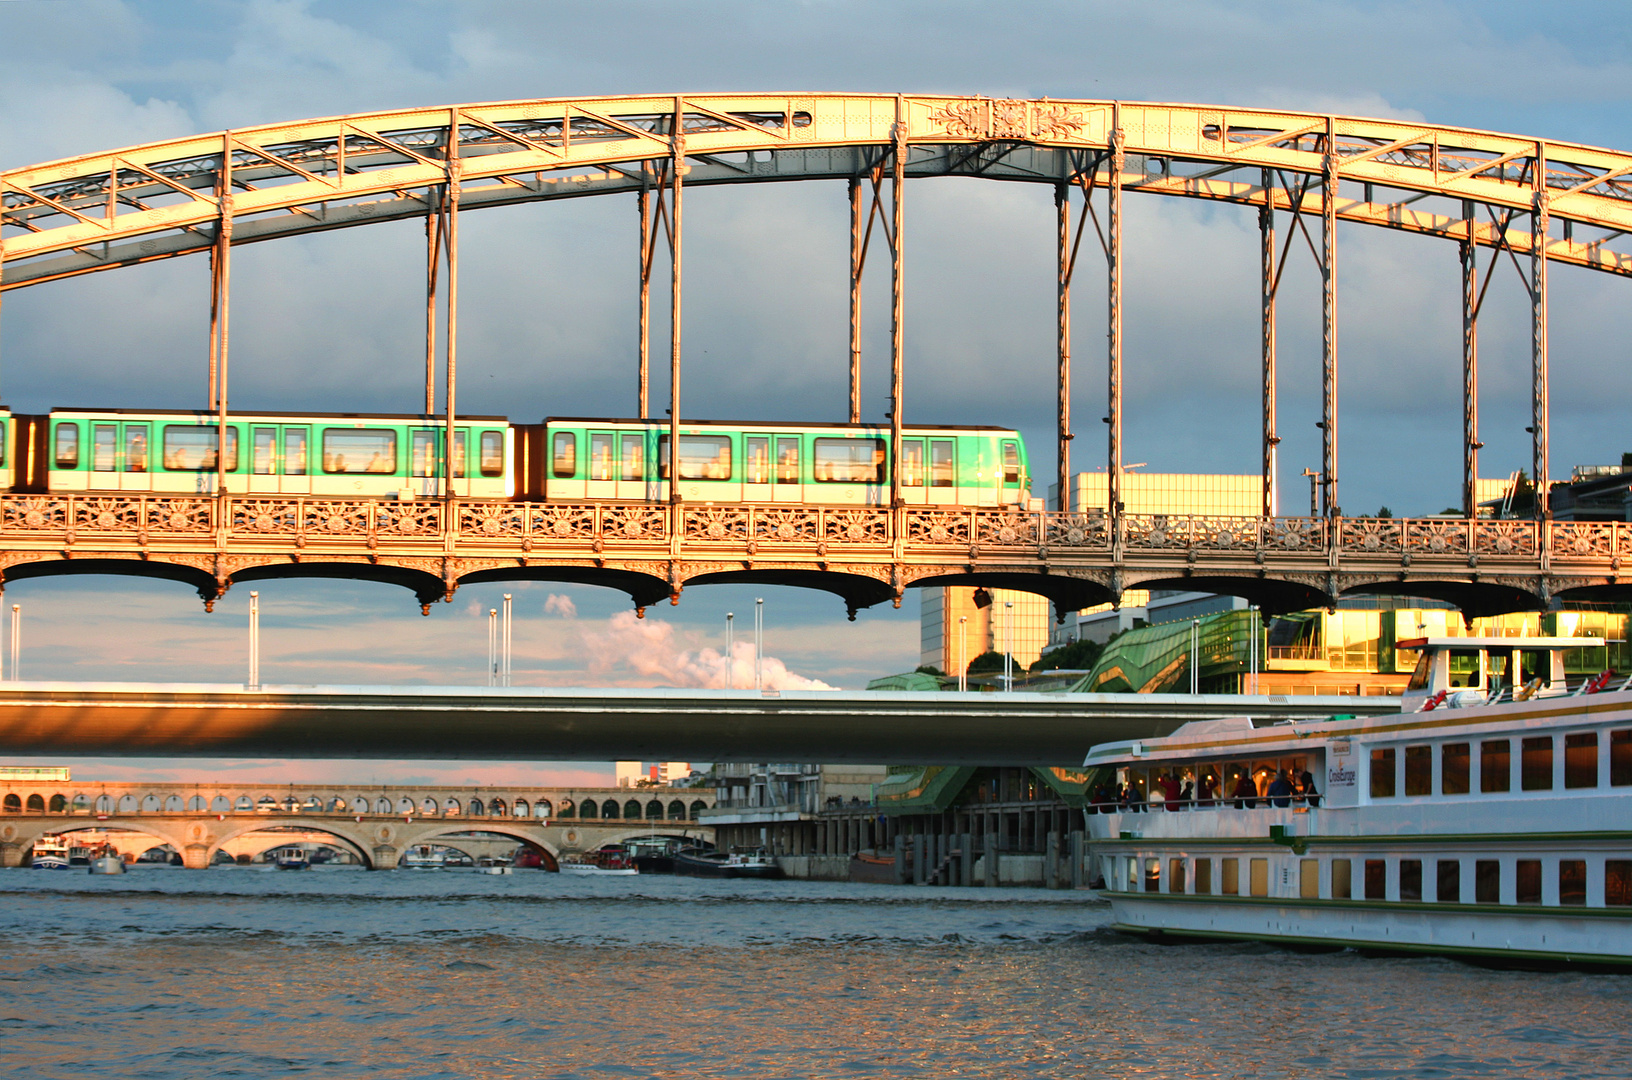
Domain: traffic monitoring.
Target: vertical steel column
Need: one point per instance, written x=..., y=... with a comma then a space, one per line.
x=1470, y=367
x=897, y=268
x=1062, y=206
x=1328, y=292
x=676, y=167
x=221, y=316
x=644, y=375
x=1266, y=270
x=855, y=299
x=451, y=240
x=433, y=259
x=1113, y=366
x=1538, y=336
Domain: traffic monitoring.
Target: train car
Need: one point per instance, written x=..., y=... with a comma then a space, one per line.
x=840, y=464
x=8, y=459
x=336, y=454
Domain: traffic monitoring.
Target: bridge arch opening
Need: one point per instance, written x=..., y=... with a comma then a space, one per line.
x=260, y=835
x=35, y=804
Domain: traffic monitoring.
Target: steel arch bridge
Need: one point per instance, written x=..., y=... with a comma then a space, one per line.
x=1527, y=201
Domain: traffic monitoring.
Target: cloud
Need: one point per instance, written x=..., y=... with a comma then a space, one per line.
x=556, y=604
x=647, y=648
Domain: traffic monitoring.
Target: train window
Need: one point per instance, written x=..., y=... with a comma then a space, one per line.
x=633, y=457
x=359, y=450
x=67, y=450
x=492, y=462
x=1536, y=764
x=422, y=454
x=1011, y=462
x=105, y=448
x=191, y=448
x=702, y=457
x=943, y=472
x=600, y=455
x=294, y=451
x=263, y=451
x=458, y=454
x=565, y=463
x=850, y=461
x=1581, y=759
x=136, y=448
x=912, y=463
x=787, y=460
x=1495, y=766
x=757, y=452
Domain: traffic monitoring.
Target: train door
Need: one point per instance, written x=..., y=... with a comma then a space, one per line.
x=461, y=463
x=135, y=466
x=913, y=489
x=104, y=457
x=631, y=467
x=296, y=478
x=602, y=483
x=756, y=473
x=263, y=460
x=943, y=472
x=423, y=462
x=789, y=486
x=1011, y=476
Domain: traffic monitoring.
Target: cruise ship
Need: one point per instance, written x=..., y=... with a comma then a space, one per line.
x=1491, y=818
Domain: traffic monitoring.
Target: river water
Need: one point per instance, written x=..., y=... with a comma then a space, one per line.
x=247, y=972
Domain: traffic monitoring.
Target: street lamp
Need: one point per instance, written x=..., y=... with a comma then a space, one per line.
x=1195, y=670
x=1008, y=645
x=16, y=641
x=1252, y=627
x=963, y=653
x=730, y=653
x=759, y=643
x=254, y=641
x=492, y=644
x=505, y=670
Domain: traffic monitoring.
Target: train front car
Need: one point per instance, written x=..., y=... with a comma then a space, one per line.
x=842, y=465
x=334, y=455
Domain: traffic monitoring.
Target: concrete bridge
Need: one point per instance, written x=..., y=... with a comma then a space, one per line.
x=378, y=823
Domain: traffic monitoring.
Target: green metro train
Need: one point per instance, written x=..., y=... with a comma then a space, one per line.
x=560, y=460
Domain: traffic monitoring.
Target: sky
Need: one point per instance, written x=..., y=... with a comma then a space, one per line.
x=333, y=322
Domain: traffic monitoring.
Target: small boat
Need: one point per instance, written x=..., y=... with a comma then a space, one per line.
x=752, y=863
x=50, y=853
x=424, y=857
x=107, y=864
x=607, y=861
x=292, y=859
x=495, y=870
x=872, y=868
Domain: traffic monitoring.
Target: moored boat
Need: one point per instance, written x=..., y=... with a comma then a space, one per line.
x=1486, y=819
x=604, y=862
x=695, y=862
x=50, y=853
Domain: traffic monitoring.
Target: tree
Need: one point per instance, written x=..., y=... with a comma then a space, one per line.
x=929, y=669
x=1384, y=512
x=1077, y=656
x=990, y=661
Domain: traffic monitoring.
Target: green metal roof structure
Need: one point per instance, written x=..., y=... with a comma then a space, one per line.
x=1156, y=659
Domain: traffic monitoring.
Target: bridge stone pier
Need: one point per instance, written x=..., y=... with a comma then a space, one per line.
x=379, y=823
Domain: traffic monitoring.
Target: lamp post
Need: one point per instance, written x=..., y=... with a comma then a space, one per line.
x=16, y=641
x=505, y=667
x=1195, y=670
x=759, y=642
x=1008, y=646
x=1252, y=627
x=254, y=641
x=730, y=653
x=963, y=653
x=492, y=644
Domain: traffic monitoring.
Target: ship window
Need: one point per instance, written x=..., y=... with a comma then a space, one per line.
x=1309, y=879
x=1259, y=871
x=1453, y=769
x=1410, y=879
x=1204, y=876
x=1620, y=758
x=1536, y=764
x=1535, y=664
x=1464, y=669
x=1528, y=881
x=1230, y=876
x=1572, y=882
x=1449, y=885
x=850, y=461
x=942, y=464
x=1495, y=766
x=1618, y=882
x=1153, y=875
x=492, y=462
x=1342, y=883
x=1581, y=759
x=1419, y=770
x=565, y=461
x=757, y=451
x=353, y=450
x=1421, y=673
x=1382, y=773
x=1175, y=875
x=1487, y=881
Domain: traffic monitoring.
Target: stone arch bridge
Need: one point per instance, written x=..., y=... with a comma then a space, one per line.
x=379, y=823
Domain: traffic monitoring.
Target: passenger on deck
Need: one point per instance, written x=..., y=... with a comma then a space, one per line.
x=1170, y=791
x=1280, y=790
x=1245, y=793
x=1209, y=790
x=1306, y=788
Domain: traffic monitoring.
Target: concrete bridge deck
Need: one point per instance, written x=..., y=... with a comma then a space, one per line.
x=557, y=724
